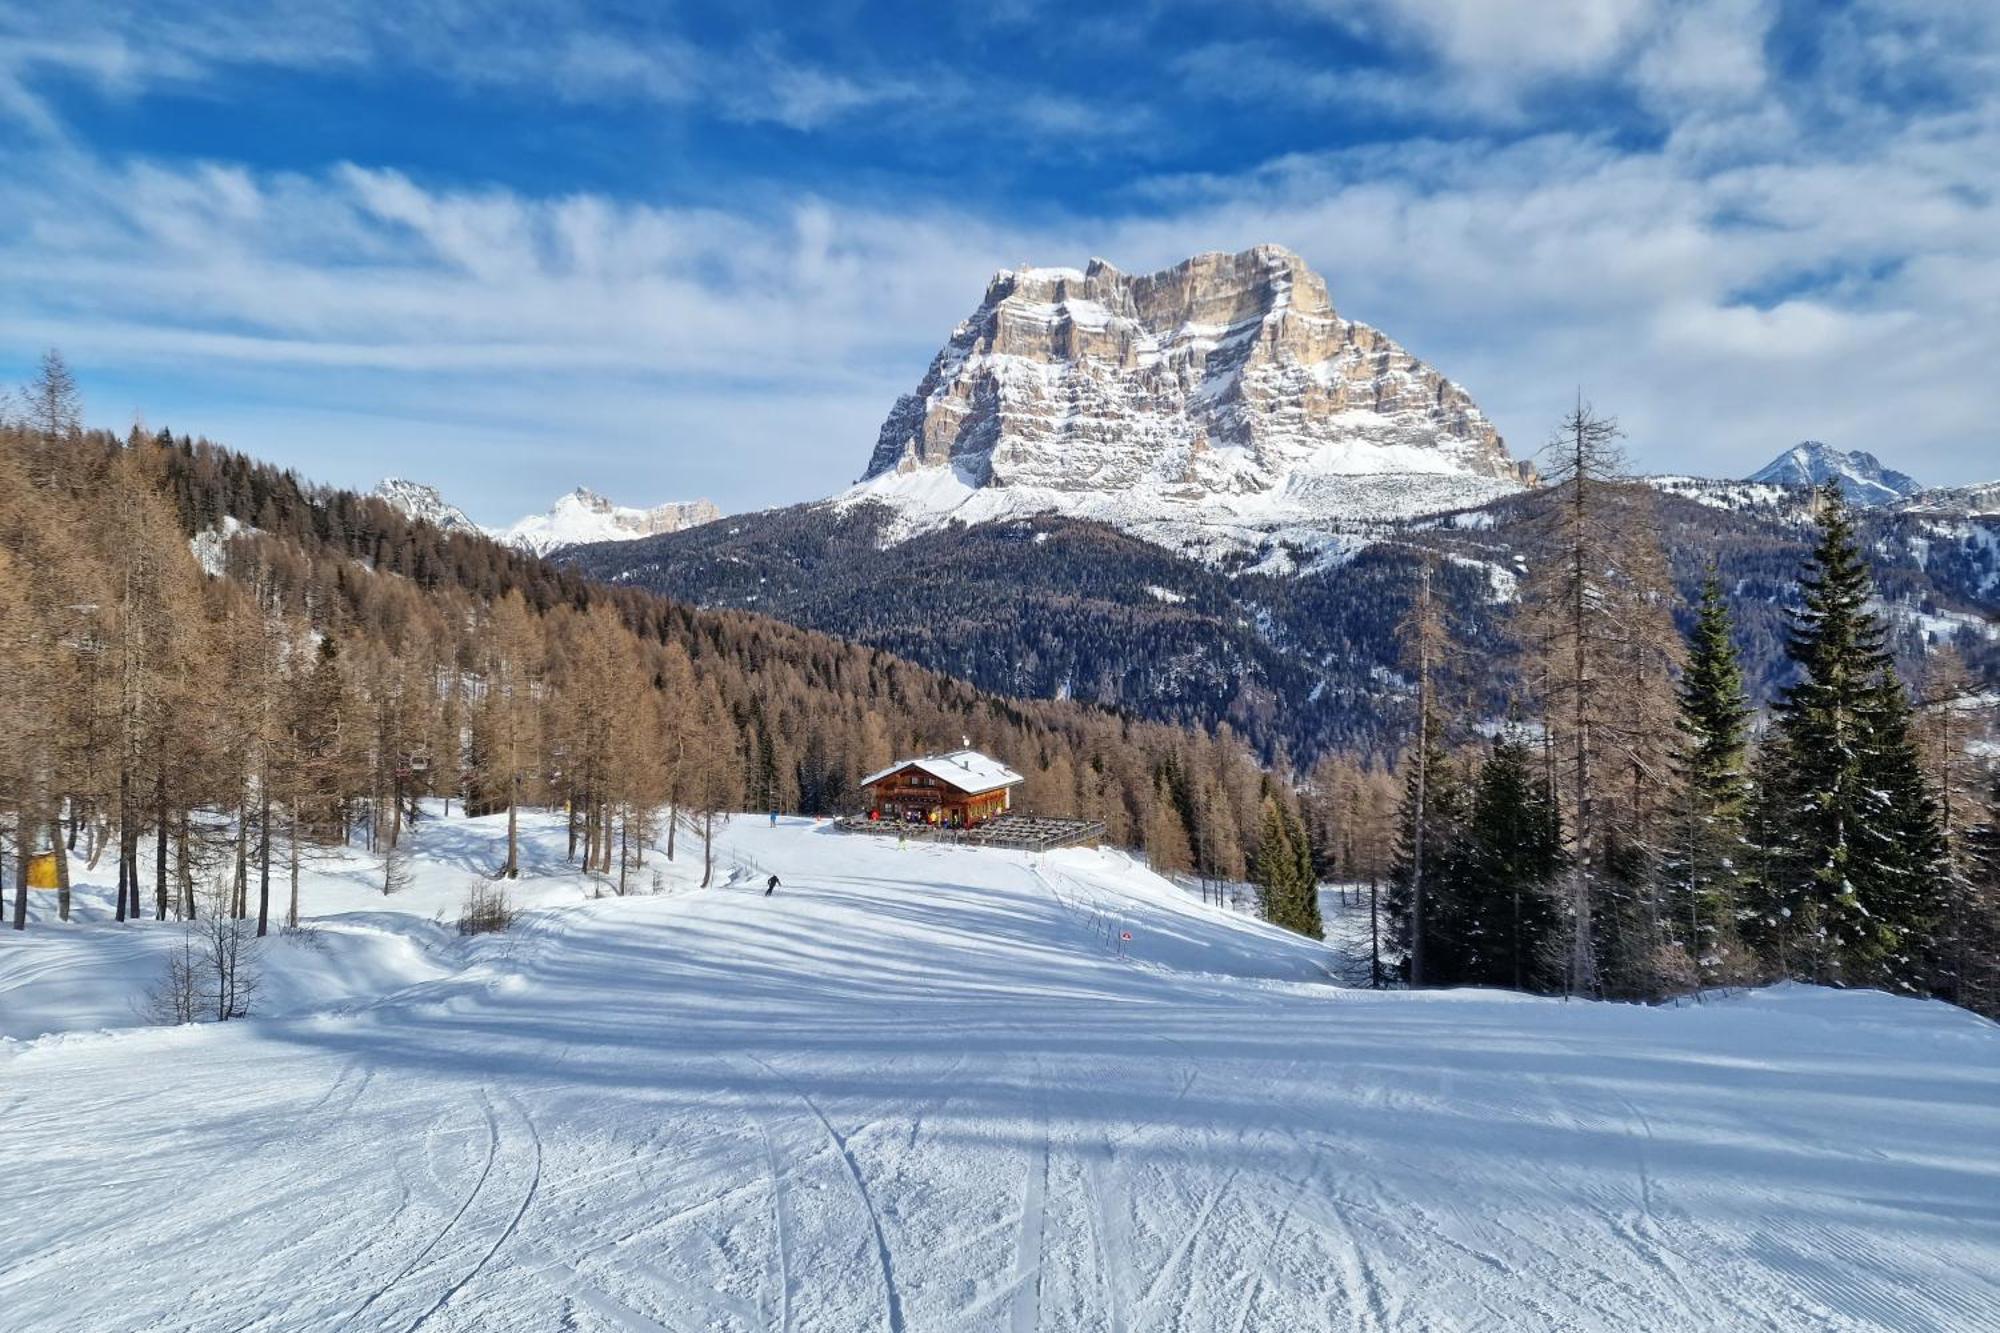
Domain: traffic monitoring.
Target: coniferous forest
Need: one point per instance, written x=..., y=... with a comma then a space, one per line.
x=216, y=668
x=1634, y=829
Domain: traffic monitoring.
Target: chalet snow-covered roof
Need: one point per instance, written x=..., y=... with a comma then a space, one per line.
x=968, y=770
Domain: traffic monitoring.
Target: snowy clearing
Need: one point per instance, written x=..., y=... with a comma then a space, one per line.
x=919, y=1088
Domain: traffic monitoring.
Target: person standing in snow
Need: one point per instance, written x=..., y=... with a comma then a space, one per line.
x=771, y=887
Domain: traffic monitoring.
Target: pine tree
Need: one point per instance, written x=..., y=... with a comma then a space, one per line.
x=1430, y=824
x=1508, y=927
x=1282, y=870
x=1309, y=877
x=1305, y=914
x=1977, y=981
x=1951, y=718
x=1913, y=869
x=1852, y=830
x=1703, y=866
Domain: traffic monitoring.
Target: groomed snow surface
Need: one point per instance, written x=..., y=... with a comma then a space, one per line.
x=919, y=1088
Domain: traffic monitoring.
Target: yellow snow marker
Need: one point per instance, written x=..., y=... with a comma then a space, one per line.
x=44, y=871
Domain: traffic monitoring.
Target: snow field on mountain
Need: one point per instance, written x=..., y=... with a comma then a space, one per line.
x=934, y=1088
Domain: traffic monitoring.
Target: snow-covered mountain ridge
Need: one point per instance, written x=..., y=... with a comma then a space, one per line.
x=1213, y=404
x=1979, y=500
x=424, y=503
x=584, y=516
x=1862, y=477
x=578, y=518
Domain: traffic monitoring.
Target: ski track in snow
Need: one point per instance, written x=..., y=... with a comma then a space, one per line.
x=924, y=1091
x=892, y=1301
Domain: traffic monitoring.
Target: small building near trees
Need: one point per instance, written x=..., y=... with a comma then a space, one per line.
x=961, y=789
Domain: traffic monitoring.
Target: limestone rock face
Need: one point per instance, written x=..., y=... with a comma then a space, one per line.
x=1227, y=375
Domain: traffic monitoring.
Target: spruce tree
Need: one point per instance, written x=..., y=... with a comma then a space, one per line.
x=1507, y=914
x=1852, y=831
x=1912, y=866
x=1274, y=869
x=1282, y=870
x=1430, y=823
x=1977, y=915
x=1305, y=878
x=1703, y=866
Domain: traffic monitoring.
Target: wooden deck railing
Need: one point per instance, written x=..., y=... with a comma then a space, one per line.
x=1014, y=832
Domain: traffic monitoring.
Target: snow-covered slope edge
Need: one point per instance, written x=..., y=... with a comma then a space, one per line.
x=920, y=1088
x=94, y=974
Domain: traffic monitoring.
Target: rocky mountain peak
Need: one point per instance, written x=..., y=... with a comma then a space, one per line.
x=413, y=499
x=1862, y=476
x=583, y=516
x=1226, y=379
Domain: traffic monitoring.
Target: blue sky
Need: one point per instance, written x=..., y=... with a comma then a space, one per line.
x=668, y=251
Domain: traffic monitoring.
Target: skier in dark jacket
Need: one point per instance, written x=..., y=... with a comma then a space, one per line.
x=771, y=886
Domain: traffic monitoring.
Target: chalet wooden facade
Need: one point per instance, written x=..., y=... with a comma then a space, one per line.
x=962, y=789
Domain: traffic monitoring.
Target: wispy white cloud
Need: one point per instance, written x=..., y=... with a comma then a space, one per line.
x=560, y=50
x=1785, y=257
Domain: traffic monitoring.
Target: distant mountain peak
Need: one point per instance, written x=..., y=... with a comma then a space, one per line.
x=414, y=499
x=583, y=516
x=1862, y=477
x=1223, y=394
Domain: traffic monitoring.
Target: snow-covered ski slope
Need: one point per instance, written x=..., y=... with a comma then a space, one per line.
x=919, y=1089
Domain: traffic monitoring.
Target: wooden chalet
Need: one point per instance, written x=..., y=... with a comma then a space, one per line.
x=962, y=789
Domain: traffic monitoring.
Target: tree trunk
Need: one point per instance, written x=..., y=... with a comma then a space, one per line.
x=512, y=870
x=20, y=872
x=1374, y=940
x=264, y=866
x=94, y=845
x=1583, y=947
x=131, y=853
x=62, y=868
x=160, y=844
x=123, y=867
x=292, y=911
x=239, y=906
x=183, y=868
x=128, y=882
x=707, y=848
x=624, y=846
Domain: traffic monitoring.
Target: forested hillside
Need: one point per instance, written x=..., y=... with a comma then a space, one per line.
x=1052, y=607
x=213, y=665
